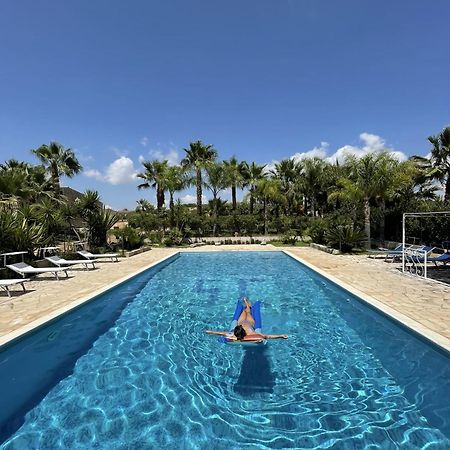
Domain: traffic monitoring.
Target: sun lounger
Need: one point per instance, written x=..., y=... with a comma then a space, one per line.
x=397, y=252
x=61, y=262
x=89, y=255
x=25, y=269
x=4, y=284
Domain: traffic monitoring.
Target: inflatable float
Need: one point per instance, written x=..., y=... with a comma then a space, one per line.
x=256, y=313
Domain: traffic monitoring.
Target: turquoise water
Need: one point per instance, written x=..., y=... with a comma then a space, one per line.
x=346, y=378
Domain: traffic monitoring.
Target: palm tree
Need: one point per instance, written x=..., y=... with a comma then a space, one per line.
x=216, y=181
x=234, y=173
x=176, y=179
x=252, y=174
x=288, y=172
x=155, y=177
x=58, y=161
x=440, y=159
x=371, y=178
x=198, y=156
x=268, y=190
x=312, y=182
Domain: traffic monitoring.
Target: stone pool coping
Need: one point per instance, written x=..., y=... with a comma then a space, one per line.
x=163, y=254
x=408, y=322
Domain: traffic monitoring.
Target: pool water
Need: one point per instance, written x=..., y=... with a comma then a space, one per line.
x=140, y=373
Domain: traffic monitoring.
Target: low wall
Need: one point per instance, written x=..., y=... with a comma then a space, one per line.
x=137, y=251
x=324, y=248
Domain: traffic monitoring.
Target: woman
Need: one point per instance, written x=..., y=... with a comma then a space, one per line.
x=245, y=329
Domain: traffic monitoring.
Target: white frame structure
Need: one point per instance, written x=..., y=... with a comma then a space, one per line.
x=419, y=215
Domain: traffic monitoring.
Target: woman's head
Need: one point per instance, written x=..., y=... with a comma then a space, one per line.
x=239, y=332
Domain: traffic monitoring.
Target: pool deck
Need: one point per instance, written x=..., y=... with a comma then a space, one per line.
x=422, y=305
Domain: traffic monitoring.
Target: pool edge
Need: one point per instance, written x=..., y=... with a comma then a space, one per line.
x=411, y=324
x=9, y=338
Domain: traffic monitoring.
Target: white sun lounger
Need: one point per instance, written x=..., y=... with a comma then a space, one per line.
x=25, y=269
x=89, y=255
x=4, y=284
x=61, y=262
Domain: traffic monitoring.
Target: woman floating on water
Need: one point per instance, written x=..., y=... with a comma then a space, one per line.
x=245, y=329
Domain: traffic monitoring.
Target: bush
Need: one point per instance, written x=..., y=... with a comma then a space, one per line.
x=173, y=238
x=129, y=237
x=316, y=230
x=290, y=238
x=344, y=237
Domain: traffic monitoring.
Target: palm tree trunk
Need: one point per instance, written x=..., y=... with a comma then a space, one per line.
x=215, y=214
x=199, y=192
x=367, y=221
x=159, y=198
x=382, y=220
x=447, y=188
x=55, y=180
x=252, y=201
x=265, y=217
x=233, y=196
x=171, y=205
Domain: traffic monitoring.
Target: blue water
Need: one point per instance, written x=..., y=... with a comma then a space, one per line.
x=134, y=369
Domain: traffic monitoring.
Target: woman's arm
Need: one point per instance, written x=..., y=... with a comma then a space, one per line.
x=275, y=336
x=219, y=333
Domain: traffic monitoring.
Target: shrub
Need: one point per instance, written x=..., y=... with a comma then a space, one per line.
x=316, y=230
x=173, y=238
x=344, y=237
x=291, y=237
x=129, y=237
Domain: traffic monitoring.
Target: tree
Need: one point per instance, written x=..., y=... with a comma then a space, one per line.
x=440, y=159
x=370, y=178
x=155, y=176
x=252, y=174
x=58, y=161
x=288, y=172
x=176, y=180
x=216, y=181
x=234, y=174
x=268, y=190
x=198, y=156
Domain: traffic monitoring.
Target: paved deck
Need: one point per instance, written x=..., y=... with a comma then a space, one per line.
x=425, y=303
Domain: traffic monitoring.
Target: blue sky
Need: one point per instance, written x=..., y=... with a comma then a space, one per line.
x=262, y=80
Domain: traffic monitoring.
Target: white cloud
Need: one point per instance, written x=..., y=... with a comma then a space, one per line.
x=189, y=198
x=171, y=155
x=141, y=158
x=316, y=152
x=144, y=141
x=94, y=173
x=372, y=143
x=120, y=171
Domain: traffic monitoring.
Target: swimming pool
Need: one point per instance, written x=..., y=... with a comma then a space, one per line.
x=133, y=368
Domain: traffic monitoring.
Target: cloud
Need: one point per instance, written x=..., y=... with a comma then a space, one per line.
x=370, y=143
x=171, y=155
x=188, y=198
x=120, y=171
x=316, y=152
x=144, y=141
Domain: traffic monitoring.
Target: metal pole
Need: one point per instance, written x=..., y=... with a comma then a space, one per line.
x=403, y=243
x=425, y=260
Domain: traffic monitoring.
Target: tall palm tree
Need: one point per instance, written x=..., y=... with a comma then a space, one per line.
x=58, y=161
x=176, y=179
x=312, y=182
x=288, y=171
x=234, y=173
x=440, y=159
x=198, y=156
x=216, y=181
x=155, y=177
x=371, y=178
x=268, y=190
x=252, y=174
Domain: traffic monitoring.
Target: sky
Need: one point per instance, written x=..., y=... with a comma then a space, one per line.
x=122, y=81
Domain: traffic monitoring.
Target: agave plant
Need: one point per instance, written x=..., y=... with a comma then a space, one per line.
x=344, y=237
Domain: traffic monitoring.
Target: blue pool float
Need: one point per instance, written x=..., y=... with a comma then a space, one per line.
x=256, y=313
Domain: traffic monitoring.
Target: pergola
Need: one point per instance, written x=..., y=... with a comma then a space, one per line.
x=418, y=215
